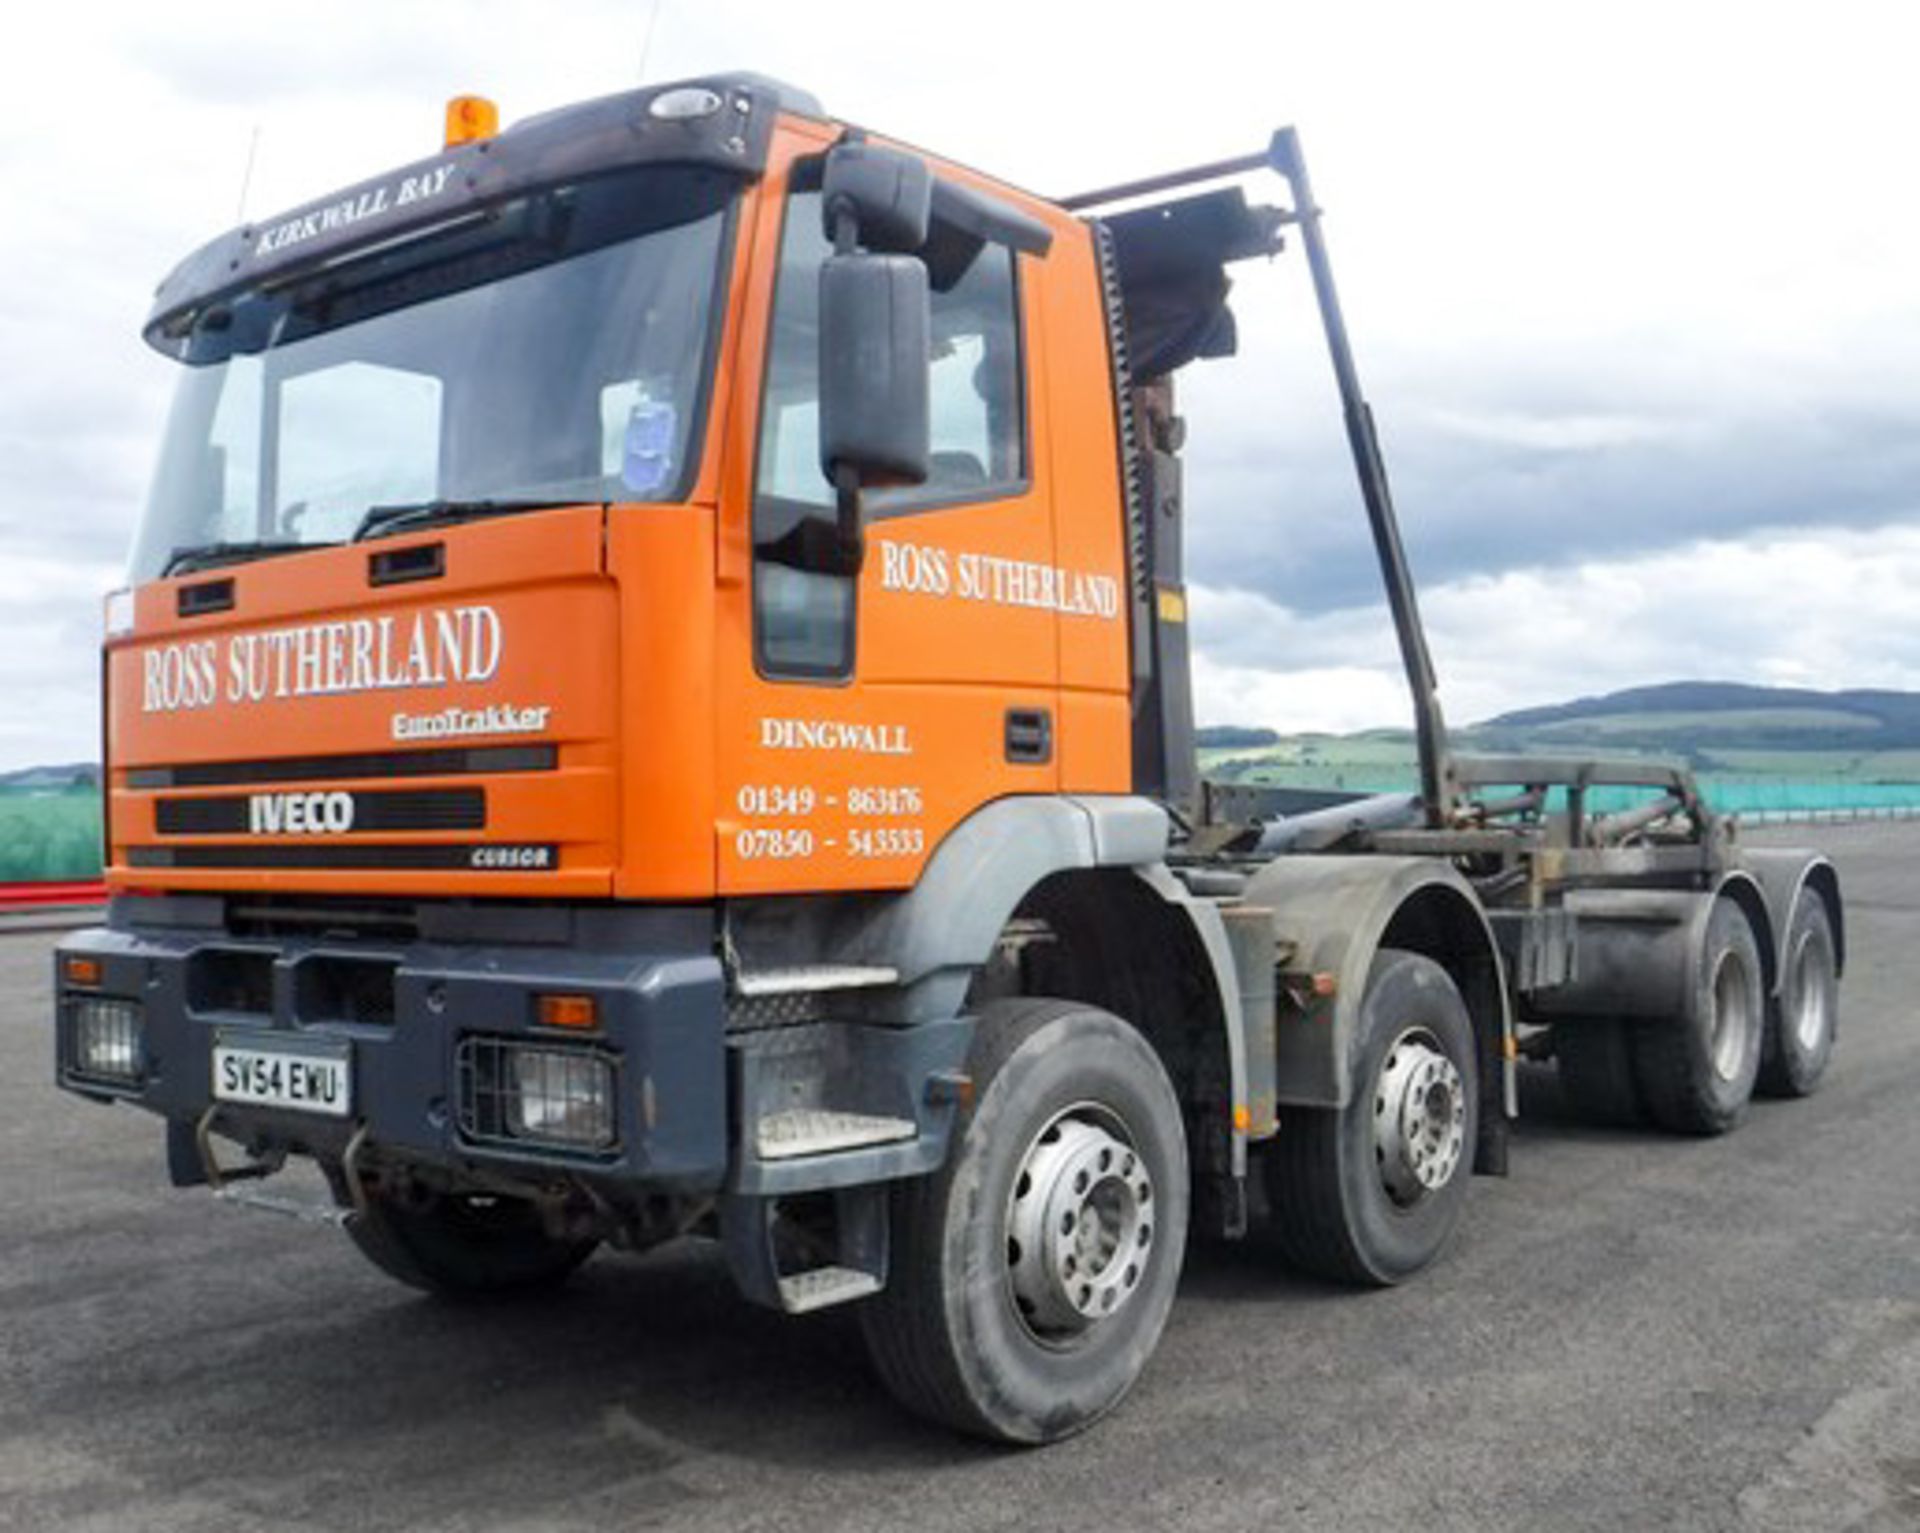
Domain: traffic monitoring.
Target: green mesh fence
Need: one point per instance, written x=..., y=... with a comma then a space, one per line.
x=49, y=834
x=1756, y=798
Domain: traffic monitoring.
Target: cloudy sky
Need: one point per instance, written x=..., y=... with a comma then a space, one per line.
x=1635, y=288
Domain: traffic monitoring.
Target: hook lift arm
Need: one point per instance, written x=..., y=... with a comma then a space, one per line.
x=1438, y=785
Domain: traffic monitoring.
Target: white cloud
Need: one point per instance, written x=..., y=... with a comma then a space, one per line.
x=1579, y=232
x=1560, y=433
x=1831, y=610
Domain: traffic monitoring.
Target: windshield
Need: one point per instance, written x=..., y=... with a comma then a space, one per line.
x=554, y=350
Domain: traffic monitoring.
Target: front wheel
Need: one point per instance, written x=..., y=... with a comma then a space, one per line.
x=1370, y=1193
x=1032, y=1274
x=464, y=1246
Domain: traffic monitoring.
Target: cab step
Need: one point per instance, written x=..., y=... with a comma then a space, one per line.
x=851, y=1265
x=802, y=1292
x=812, y=979
x=802, y=1131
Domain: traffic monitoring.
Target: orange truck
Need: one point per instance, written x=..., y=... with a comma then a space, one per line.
x=654, y=701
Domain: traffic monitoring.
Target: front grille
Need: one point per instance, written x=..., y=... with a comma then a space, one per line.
x=477, y=857
x=407, y=809
x=428, y=763
x=311, y=915
x=231, y=979
x=331, y=988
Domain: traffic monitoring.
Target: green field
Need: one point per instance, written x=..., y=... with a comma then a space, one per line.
x=1652, y=729
x=1734, y=781
x=49, y=834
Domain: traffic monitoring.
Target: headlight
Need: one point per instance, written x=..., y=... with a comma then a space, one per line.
x=559, y=1097
x=105, y=1038
x=563, y=1096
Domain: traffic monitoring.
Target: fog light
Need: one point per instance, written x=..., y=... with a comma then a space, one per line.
x=529, y=1094
x=106, y=1037
x=562, y=1096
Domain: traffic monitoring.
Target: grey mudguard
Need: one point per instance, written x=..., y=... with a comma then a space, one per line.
x=1639, y=949
x=1332, y=914
x=1781, y=874
x=939, y=931
x=1211, y=929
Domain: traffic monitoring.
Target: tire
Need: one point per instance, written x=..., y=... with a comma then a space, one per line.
x=1593, y=1057
x=1696, y=1072
x=465, y=1247
x=1072, y=1115
x=1370, y=1193
x=1804, y=1018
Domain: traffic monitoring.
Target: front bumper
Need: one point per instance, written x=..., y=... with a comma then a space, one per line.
x=407, y=1013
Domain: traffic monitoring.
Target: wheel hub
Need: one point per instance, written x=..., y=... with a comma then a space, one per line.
x=1419, y=1118
x=1811, y=1012
x=1080, y=1226
x=1734, y=1017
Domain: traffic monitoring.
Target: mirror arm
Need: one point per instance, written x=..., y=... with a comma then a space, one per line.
x=846, y=228
x=849, y=522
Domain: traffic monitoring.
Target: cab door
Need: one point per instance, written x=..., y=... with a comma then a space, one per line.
x=863, y=717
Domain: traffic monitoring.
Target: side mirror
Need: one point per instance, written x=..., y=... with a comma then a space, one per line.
x=875, y=357
x=875, y=330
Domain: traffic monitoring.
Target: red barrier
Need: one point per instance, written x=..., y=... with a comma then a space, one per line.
x=41, y=896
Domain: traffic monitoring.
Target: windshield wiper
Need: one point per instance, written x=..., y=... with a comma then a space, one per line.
x=206, y=556
x=381, y=520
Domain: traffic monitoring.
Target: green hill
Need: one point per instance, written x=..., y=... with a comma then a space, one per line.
x=1695, y=715
x=1754, y=748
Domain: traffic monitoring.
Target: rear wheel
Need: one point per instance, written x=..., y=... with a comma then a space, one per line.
x=1032, y=1274
x=1594, y=1059
x=1696, y=1072
x=464, y=1245
x=1802, y=1022
x=1371, y=1193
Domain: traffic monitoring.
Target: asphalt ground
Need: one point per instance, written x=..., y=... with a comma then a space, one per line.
x=1633, y=1332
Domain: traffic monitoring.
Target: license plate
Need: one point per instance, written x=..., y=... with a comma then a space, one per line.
x=297, y=1075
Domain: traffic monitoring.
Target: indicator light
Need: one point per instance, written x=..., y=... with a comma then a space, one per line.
x=579, y=1012
x=82, y=971
x=684, y=104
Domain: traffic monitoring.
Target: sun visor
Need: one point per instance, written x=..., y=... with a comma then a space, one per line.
x=730, y=131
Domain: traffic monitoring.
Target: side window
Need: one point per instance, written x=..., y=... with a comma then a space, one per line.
x=979, y=433
x=803, y=620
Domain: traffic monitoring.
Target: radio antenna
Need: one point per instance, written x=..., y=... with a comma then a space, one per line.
x=246, y=176
x=646, y=41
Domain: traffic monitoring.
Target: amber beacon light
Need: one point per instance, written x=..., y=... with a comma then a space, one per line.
x=470, y=119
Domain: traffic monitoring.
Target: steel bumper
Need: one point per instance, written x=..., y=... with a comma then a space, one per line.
x=403, y=1011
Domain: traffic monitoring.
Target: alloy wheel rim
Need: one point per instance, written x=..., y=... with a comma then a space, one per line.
x=1812, y=1004
x=1419, y=1118
x=1731, y=999
x=1081, y=1225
